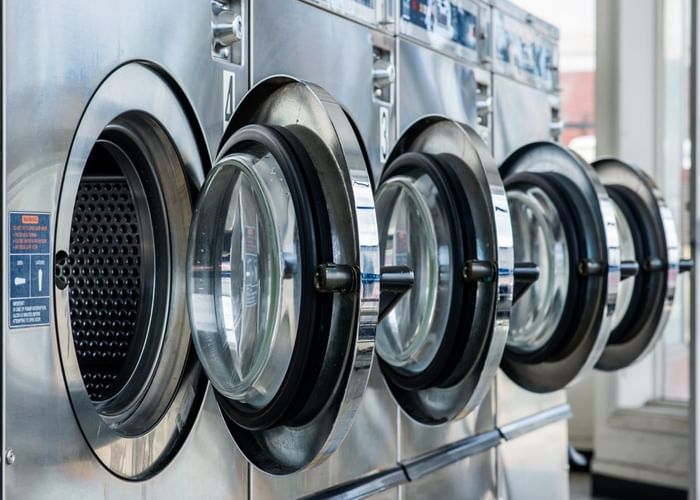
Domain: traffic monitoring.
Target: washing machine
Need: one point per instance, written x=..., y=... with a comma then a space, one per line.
x=108, y=92
x=427, y=418
x=443, y=57
x=193, y=278
x=526, y=108
x=346, y=48
x=441, y=166
x=422, y=425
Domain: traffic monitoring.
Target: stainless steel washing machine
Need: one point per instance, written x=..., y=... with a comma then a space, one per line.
x=443, y=56
x=525, y=110
x=344, y=48
x=192, y=285
x=107, y=104
x=441, y=169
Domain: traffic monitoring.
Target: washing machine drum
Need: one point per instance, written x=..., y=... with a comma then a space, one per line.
x=442, y=211
x=564, y=222
x=647, y=237
x=283, y=275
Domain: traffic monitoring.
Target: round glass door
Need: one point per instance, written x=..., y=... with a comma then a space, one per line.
x=541, y=239
x=246, y=303
x=414, y=227
x=279, y=342
x=438, y=205
x=647, y=237
x=564, y=222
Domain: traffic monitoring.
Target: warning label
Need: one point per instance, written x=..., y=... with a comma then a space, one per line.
x=29, y=266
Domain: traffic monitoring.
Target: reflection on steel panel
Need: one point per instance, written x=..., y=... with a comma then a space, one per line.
x=431, y=83
x=521, y=114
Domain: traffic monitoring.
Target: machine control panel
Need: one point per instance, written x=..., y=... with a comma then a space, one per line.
x=459, y=27
x=524, y=52
x=375, y=13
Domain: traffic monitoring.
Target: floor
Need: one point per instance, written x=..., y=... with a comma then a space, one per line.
x=580, y=486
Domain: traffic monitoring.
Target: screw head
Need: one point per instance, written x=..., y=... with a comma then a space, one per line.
x=10, y=457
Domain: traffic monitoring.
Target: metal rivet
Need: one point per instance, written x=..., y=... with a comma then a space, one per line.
x=10, y=457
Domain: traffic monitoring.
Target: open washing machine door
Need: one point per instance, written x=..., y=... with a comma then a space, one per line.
x=564, y=221
x=648, y=237
x=283, y=275
x=135, y=163
x=442, y=211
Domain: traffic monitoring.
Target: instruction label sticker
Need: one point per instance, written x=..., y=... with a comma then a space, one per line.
x=30, y=267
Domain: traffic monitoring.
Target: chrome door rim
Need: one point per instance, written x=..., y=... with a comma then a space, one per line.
x=554, y=374
x=434, y=135
x=616, y=172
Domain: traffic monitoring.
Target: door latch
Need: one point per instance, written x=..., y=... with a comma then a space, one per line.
x=394, y=282
x=228, y=30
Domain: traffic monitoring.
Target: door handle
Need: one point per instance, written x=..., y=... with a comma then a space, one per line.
x=395, y=282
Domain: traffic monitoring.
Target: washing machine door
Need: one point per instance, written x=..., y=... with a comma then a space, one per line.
x=563, y=221
x=648, y=237
x=442, y=211
x=283, y=275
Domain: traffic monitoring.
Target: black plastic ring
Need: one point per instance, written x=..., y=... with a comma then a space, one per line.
x=648, y=285
x=576, y=290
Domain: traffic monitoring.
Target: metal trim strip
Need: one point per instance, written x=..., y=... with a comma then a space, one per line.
x=531, y=423
x=365, y=486
x=439, y=458
x=432, y=461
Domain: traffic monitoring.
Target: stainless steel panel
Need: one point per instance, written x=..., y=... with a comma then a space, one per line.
x=431, y=83
x=512, y=10
x=52, y=64
x=521, y=114
x=460, y=28
x=535, y=465
x=377, y=14
x=514, y=402
x=524, y=473
x=525, y=48
x=417, y=438
x=305, y=42
x=474, y=477
x=370, y=446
